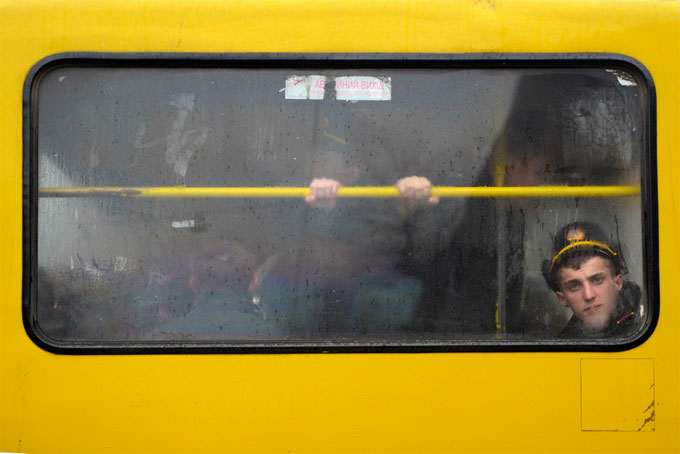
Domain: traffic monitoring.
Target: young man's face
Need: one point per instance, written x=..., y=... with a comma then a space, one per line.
x=590, y=292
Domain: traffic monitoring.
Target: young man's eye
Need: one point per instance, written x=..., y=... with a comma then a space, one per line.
x=597, y=279
x=573, y=286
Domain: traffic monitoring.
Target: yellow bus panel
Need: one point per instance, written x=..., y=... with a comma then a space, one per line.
x=543, y=395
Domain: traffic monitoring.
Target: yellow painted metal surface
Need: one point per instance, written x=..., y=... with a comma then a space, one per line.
x=618, y=395
x=439, y=402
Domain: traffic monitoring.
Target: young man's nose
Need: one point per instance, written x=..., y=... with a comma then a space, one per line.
x=588, y=292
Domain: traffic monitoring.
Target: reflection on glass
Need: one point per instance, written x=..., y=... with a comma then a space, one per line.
x=331, y=268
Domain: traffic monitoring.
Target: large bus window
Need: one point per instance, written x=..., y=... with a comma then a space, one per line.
x=172, y=204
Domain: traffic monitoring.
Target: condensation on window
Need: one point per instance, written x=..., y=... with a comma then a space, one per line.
x=112, y=267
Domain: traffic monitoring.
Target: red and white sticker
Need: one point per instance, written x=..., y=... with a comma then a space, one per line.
x=305, y=87
x=349, y=88
x=363, y=88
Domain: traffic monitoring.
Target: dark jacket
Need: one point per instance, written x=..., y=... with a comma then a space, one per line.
x=625, y=320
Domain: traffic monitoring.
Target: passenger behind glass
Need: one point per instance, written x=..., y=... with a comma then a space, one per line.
x=474, y=267
x=564, y=127
x=362, y=244
x=588, y=275
x=569, y=127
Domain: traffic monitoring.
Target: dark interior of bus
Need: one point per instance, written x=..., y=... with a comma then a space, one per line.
x=277, y=269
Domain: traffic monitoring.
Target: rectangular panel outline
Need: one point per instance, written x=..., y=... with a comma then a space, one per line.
x=652, y=405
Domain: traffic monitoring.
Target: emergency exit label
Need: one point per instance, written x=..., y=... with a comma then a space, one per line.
x=363, y=88
x=348, y=88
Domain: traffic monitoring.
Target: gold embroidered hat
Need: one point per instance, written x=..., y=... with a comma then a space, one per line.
x=584, y=239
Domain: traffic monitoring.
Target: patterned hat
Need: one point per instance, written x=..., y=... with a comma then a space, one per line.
x=580, y=238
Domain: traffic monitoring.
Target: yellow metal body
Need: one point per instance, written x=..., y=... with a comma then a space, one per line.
x=437, y=402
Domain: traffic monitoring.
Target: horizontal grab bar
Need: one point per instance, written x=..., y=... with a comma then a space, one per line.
x=349, y=191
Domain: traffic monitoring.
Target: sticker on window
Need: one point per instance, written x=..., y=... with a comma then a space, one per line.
x=305, y=87
x=347, y=88
x=363, y=88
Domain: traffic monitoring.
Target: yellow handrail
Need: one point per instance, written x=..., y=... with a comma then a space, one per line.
x=350, y=191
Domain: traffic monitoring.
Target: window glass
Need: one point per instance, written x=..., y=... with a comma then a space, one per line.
x=120, y=263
